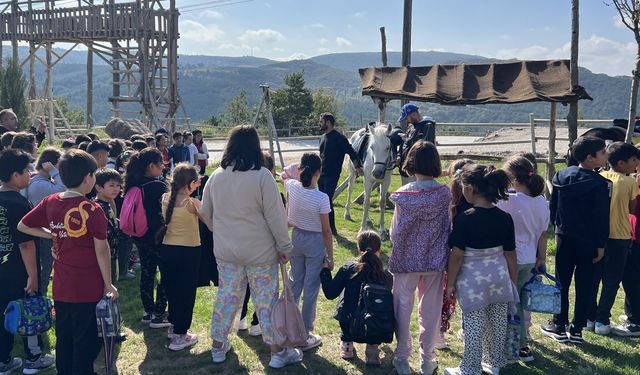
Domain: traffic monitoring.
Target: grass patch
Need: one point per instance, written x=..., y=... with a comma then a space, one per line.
x=145, y=353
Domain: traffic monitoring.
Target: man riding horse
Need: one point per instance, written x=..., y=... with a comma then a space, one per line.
x=418, y=127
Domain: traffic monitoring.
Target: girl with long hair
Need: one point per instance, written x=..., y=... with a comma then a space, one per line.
x=350, y=277
x=180, y=253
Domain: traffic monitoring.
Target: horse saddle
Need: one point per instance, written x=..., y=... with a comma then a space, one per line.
x=361, y=144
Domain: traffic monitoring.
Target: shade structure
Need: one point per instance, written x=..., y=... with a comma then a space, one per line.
x=463, y=84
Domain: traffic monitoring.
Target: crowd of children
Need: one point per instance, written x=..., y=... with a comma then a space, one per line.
x=475, y=242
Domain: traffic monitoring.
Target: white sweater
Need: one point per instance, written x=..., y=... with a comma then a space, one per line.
x=247, y=217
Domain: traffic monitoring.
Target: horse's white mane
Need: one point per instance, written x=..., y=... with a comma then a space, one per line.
x=379, y=131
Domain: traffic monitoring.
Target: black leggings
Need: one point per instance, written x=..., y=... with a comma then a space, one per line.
x=179, y=266
x=245, y=308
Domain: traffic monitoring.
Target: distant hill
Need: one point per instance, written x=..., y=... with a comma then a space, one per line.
x=207, y=83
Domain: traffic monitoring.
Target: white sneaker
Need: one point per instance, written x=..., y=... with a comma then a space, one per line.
x=590, y=325
x=602, y=329
x=285, y=357
x=7, y=368
x=402, y=366
x=180, y=342
x=255, y=330
x=452, y=371
x=487, y=369
x=312, y=342
x=428, y=367
x=242, y=325
x=219, y=355
x=624, y=319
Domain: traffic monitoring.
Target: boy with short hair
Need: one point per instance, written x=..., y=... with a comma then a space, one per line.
x=193, y=150
x=82, y=271
x=108, y=183
x=100, y=151
x=580, y=213
x=18, y=266
x=623, y=159
x=178, y=152
x=161, y=144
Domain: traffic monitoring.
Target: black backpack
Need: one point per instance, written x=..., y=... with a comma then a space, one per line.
x=373, y=321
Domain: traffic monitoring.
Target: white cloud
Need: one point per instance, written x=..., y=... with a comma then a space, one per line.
x=212, y=14
x=323, y=50
x=229, y=46
x=429, y=50
x=324, y=41
x=597, y=53
x=342, y=42
x=359, y=14
x=317, y=26
x=261, y=36
x=617, y=21
x=294, y=56
x=198, y=38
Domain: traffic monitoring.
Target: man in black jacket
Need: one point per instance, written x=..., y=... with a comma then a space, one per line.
x=333, y=147
x=418, y=128
x=9, y=123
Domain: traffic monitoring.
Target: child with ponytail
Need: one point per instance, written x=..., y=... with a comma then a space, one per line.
x=144, y=171
x=483, y=269
x=312, y=239
x=530, y=213
x=350, y=277
x=179, y=253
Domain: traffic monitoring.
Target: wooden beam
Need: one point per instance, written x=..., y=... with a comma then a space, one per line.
x=551, y=165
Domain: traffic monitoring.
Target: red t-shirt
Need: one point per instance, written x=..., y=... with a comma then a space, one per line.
x=74, y=223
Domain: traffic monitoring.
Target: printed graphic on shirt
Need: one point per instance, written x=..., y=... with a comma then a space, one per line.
x=6, y=241
x=75, y=221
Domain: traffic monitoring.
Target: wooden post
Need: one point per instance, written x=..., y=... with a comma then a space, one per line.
x=533, y=134
x=551, y=160
x=383, y=36
x=406, y=37
x=382, y=103
x=89, y=121
x=572, y=116
x=49, y=94
x=273, y=133
x=32, y=73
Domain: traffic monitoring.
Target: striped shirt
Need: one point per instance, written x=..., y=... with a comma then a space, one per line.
x=306, y=206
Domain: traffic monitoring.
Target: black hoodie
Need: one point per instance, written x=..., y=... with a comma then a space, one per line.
x=580, y=205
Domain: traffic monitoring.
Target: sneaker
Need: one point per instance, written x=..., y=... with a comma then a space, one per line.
x=623, y=319
x=242, y=324
x=525, y=354
x=555, y=331
x=170, y=334
x=440, y=342
x=146, y=318
x=626, y=330
x=488, y=369
x=219, y=355
x=159, y=322
x=255, y=330
x=312, y=342
x=121, y=337
x=428, y=367
x=575, y=334
x=452, y=371
x=129, y=275
x=285, y=357
x=402, y=366
x=347, y=351
x=14, y=364
x=372, y=355
x=43, y=361
x=180, y=342
x=602, y=329
x=590, y=325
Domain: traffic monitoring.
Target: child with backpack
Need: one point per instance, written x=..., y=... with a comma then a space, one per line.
x=82, y=270
x=312, y=239
x=530, y=213
x=419, y=232
x=180, y=253
x=18, y=265
x=482, y=269
x=348, y=284
x=143, y=190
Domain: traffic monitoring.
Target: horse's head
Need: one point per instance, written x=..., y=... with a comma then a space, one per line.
x=380, y=148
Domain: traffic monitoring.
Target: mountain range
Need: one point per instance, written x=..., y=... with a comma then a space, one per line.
x=207, y=83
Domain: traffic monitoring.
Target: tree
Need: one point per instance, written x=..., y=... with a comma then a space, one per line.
x=572, y=116
x=237, y=111
x=629, y=11
x=73, y=116
x=293, y=103
x=324, y=101
x=213, y=121
x=12, y=91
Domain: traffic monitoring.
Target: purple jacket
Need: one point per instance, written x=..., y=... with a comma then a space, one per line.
x=420, y=230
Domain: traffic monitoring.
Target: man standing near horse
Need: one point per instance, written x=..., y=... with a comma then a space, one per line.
x=333, y=147
x=418, y=128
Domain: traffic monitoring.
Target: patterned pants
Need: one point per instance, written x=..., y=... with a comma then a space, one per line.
x=485, y=333
x=233, y=279
x=149, y=265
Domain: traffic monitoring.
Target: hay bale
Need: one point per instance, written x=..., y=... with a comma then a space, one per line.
x=124, y=129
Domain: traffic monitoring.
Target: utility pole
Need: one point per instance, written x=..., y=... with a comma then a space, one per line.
x=406, y=37
x=572, y=116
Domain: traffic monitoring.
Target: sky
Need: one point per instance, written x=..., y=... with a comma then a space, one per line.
x=293, y=29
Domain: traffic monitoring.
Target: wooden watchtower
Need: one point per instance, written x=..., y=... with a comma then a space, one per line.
x=137, y=39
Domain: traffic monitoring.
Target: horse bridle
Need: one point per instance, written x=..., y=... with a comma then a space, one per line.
x=389, y=163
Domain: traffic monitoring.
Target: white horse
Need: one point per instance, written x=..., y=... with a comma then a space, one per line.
x=377, y=168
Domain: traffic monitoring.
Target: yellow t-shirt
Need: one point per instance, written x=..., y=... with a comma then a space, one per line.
x=624, y=189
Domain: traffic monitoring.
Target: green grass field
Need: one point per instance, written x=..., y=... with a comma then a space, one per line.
x=145, y=353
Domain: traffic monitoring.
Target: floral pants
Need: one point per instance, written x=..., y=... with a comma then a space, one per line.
x=233, y=279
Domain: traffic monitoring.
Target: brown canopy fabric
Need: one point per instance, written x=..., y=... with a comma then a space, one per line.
x=516, y=82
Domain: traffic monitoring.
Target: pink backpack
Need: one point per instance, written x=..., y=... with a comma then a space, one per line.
x=133, y=217
x=288, y=325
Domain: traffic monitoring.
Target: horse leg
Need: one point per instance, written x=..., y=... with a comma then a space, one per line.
x=347, y=207
x=365, y=206
x=384, y=187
